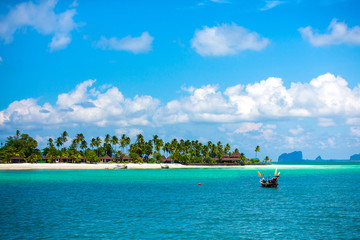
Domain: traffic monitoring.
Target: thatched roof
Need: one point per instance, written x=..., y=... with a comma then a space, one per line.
x=16, y=158
x=224, y=155
x=235, y=155
x=126, y=158
x=163, y=159
x=106, y=157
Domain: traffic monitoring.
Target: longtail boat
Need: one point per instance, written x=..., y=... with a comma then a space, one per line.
x=271, y=182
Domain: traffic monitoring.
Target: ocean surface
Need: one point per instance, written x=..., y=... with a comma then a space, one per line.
x=312, y=202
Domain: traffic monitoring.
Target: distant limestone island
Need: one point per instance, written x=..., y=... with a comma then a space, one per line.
x=297, y=157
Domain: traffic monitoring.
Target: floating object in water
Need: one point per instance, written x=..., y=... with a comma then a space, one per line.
x=199, y=183
x=270, y=182
x=120, y=167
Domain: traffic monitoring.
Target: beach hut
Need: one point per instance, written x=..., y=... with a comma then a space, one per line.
x=163, y=159
x=65, y=159
x=16, y=159
x=169, y=160
x=82, y=159
x=48, y=159
x=126, y=158
x=234, y=158
x=106, y=158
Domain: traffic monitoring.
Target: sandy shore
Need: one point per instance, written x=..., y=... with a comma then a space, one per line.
x=74, y=166
x=64, y=166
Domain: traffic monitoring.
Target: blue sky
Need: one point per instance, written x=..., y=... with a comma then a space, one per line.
x=280, y=74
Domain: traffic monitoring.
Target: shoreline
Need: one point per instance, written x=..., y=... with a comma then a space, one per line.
x=111, y=166
x=86, y=166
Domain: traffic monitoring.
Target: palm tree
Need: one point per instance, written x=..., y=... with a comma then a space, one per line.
x=257, y=149
x=107, y=139
x=266, y=159
x=59, y=142
x=166, y=148
x=114, y=141
x=97, y=145
x=93, y=143
x=51, y=143
x=227, y=148
x=64, y=137
x=78, y=140
x=124, y=142
x=159, y=144
x=242, y=157
x=17, y=134
x=83, y=145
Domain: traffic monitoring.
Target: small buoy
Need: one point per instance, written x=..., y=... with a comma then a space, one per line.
x=199, y=184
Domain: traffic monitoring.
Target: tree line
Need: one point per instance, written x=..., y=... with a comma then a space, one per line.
x=141, y=150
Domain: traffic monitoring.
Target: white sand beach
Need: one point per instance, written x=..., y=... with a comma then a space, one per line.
x=79, y=166
x=74, y=166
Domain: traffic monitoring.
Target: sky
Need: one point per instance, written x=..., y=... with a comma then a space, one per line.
x=284, y=75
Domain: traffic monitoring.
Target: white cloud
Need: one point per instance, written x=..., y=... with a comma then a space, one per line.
x=226, y=40
x=131, y=132
x=331, y=142
x=326, y=122
x=1, y=60
x=338, y=33
x=271, y=4
x=353, y=121
x=355, y=131
x=43, y=19
x=132, y=44
x=323, y=97
x=248, y=127
x=81, y=106
x=296, y=131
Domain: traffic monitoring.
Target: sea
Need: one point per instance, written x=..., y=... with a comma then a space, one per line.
x=311, y=202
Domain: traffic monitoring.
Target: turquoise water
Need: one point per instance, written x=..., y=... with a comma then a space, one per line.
x=313, y=202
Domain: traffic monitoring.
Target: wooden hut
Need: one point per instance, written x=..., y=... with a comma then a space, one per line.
x=106, y=158
x=126, y=158
x=65, y=159
x=47, y=159
x=163, y=159
x=234, y=158
x=16, y=159
x=169, y=160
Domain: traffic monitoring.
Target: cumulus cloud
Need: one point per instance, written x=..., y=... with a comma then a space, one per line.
x=248, y=127
x=131, y=132
x=326, y=122
x=296, y=131
x=271, y=4
x=84, y=105
x=355, y=131
x=338, y=33
x=140, y=44
x=43, y=19
x=353, y=121
x=226, y=40
x=324, y=96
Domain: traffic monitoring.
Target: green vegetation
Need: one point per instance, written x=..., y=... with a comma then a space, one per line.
x=23, y=148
